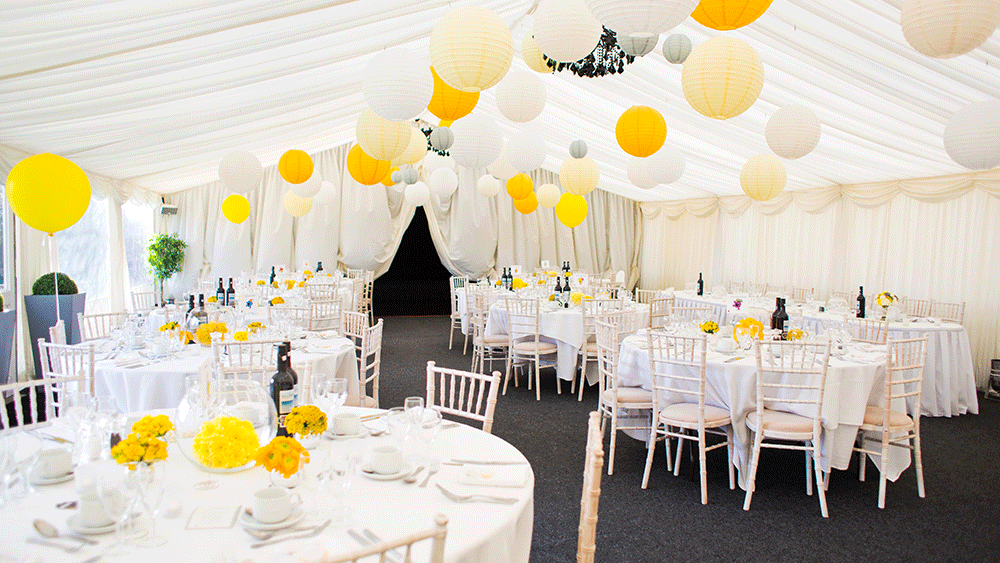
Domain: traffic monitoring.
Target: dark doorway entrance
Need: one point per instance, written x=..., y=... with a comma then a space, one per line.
x=417, y=282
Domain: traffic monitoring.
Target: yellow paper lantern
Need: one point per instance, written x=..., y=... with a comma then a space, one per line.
x=571, y=210
x=526, y=204
x=722, y=77
x=236, y=208
x=415, y=149
x=297, y=206
x=471, y=48
x=763, y=177
x=948, y=28
x=445, y=122
x=548, y=195
x=519, y=186
x=380, y=138
x=387, y=181
x=533, y=56
x=724, y=15
x=48, y=192
x=448, y=103
x=295, y=166
x=579, y=175
x=641, y=131
x=365, y=169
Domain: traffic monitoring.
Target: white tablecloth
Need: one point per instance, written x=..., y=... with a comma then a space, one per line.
x=850, y=386
x=477, y=532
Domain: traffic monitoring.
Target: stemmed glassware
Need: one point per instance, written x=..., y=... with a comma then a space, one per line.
x=118, y=491
x=337, y=477
x=151, y=480
x=331, y=394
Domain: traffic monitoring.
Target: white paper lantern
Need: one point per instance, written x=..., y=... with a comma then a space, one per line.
x=327, y=194
x=676, y=48
x=548, y=195
x=579, y=176
x=488, y=185
x=397, y=84
x=396, y=176
x=637, y=46
x=415, y=149
x=471, y=48
x=638, y=175
x=241, y=172
x=526, y=151
x=763, y=177
x=972, y=136
x=417, y=194
x=442, y=138
x=641, y=18
x=433, y=161
x=501, y=167
x=296, y=206
x=477, y=141
x=947, y=28
x=410, y=176
x=565, y=30
x=521, y=96
x=380, y=138
x=310, y=187
x=792, y=132
x=666, y=165
x=443, y=182
x=578, y=149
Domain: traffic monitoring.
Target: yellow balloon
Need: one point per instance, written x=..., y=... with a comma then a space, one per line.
x=365, y=169
x=519, y=186
x=450, y=103
x=526, y=204
x=571, y=209
x=725, y=15
x=641, y=131
x=297, y=206
x=387, y=181
x=295, y=166
x=236, y=208
x=48, y=192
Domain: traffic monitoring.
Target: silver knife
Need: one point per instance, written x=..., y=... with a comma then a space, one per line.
x=319, y=529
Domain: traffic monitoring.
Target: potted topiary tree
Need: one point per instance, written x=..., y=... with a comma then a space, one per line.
x=40, y=310
x=8, y=319
x=165, y=257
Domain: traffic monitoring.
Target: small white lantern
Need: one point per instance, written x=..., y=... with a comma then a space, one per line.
x=397, y=84
x=676, y=48
x=409, y=176
x=792, y=132
x=477, y=141
x=521, y=96
x=578, y=149
x=972, y=136
x=638, y=174
x=947, y=28
x=666, y=165
x=241, y=171
x=417, y=194
x=565, y=30
x=548, y=195
x=296, y=206
x=327, y=194
x=526, y=151
x=310, y=187
x=443, y=182
x=488, y=185
x=433, y=161
x=641, y=18
x=501, y=167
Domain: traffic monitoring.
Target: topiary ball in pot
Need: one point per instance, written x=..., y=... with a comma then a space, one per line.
x=1, y=302
x=46, y=285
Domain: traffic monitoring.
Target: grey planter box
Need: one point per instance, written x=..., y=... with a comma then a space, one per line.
x=41, y=313
x=8, y=320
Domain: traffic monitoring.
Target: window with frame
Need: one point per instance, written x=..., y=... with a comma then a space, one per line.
x=137, y=224
x=83, y=250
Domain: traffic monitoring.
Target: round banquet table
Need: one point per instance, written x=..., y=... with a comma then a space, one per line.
x=478, y=532
x=851, y=384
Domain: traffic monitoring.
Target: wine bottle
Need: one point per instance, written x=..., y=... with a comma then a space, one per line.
x=319, y=266
x=190, y=304
x=272, y=275
x=558, y=292
x=701, y=285
x=220, y=294
x=567, y=293
x=779, y=316
x=200, y=314
x=783, y=319
x=282, y=388
x=230, y=295
x=861, y=303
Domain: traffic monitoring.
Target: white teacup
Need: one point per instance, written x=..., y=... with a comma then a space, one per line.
x=726, y=345
x=91, y=512
x=346, y=424
x=158, y=348
x=387, y=460
x=53, y=463
x=274, y=504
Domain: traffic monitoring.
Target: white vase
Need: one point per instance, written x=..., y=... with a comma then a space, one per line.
x=308, y=442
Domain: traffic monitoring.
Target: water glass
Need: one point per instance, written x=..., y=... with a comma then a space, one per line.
x=118, y=491
x=151, y=483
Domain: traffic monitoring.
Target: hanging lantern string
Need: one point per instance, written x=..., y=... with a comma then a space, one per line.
x=606, y=58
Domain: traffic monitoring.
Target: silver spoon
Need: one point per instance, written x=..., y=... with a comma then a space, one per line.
x=48, y=530
x=412, y=477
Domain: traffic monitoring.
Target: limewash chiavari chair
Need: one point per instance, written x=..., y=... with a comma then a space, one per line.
x=370, y=365
x=391, y=550
x=904, y=377
x=463, y=393
x=872, y=331
x=736, y=287
x=255, y=360
x=324, y=315
x=94, y=327
x=484, y=347
x=646, y=296
x=801, y=294
x=758, y=288
x=590, y=497
x=845, y=295
x=143, y=301
x=66, y=369
x=592, y=309
x=524, y=344
x=659, y=311
x=612, y=397
x=457, y=283
x=323, y=290
x=791, y=376
x=917, y=307
x=57, y=332
x=954, y=312
x=672, y=359
x=691, y=313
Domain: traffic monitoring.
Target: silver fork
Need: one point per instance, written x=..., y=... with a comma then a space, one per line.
x=475, y=498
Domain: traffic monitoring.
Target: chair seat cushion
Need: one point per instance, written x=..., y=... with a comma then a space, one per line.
x=492, y=340
x=629, y=395
x=688, y=413
x=529, y=347
x=780, y=421
x=874, y=417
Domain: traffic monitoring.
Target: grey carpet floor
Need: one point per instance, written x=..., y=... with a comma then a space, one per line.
x=959, y=520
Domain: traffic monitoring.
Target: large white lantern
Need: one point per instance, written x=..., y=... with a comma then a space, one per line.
x=792, y=132
x=521, y=96
x=417, y=194
x=676, y=48
x=380, y=138
x=565, y=30
x=947, y=28
x=327, y=194
x=763, y=177
x=972, y=136
x=443, y=182
x=579, y=176
x=397, y=84
x=241, y=172
x=310, y=187
x=471, y=48
x=433, y=161
x=665, y=165
x=526, y=151
x=548, y=195
x=501, y=167
x=488, y=185
x=641, y=18
x=638, y=175
x=477, y=141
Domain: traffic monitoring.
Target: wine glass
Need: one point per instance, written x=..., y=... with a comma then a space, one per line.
x=151, y=479
x=333, y=394
x=414, y=407
x=118, y=491
x=338, y=475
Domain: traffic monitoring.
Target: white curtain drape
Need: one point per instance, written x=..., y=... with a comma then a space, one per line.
x=932, y=238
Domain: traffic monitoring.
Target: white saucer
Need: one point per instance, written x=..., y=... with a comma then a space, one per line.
x=361, y=434
x=74, y=524
x=52, y=480
x=252, y=523
x=404, y=470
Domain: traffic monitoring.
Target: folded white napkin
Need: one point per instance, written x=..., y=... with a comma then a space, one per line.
x=129, y=362
x=932, y=320
x=494, y=475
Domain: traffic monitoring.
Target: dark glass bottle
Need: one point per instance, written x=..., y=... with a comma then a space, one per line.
x=558, y=291
x=319, y=266
x=701, y=285
x=230, y=295
x=283, y=388
x=861, y=303
x=567, y=293
x=200, y=314
x=779, y=316
x=190, y=304
x=220, y=294
x=272, y=275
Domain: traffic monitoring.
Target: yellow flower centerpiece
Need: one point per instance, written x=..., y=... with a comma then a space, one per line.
x=577, y=297
x=750, y=326
x=172, y=325
x=277, y=301
x=241, y=336
x=289, y=284
x=795, y=334
x=261, y=282
x=226, y=442
x=211, y=299
x=307, y=272
x=155, y=426
x=255, y=326
x=519, y=283
x=205, y=331
x=143, y=445
x=281, y=455
x=886, y=300
x=306, y=422
x=709, y=327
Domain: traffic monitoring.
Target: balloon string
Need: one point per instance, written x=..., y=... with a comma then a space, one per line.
x=55, y=278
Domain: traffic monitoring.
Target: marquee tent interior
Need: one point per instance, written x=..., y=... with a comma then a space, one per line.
x=148, y=97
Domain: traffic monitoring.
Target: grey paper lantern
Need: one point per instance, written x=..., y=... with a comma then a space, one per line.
x=637, y=46
x=442, y=138
x=578, y=149
x=676, y=48
x=396, y=176
x=410, y=176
